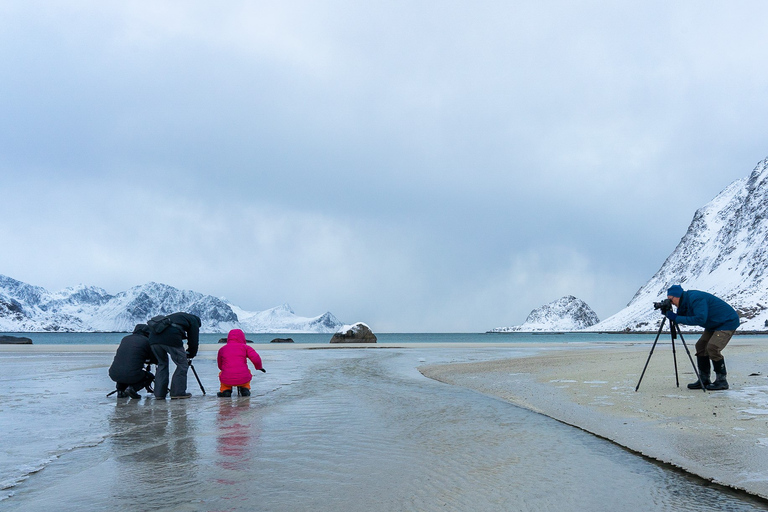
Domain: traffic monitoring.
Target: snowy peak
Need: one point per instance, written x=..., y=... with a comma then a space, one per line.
x=283, y=319
x=26, y=308
x=13, y=290
x=724, y=252
x=565, y=314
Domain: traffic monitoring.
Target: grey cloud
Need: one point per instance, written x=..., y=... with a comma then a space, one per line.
x=443, y=147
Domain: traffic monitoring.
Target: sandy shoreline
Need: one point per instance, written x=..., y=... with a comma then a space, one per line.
x=210, y=347
x=721, y=436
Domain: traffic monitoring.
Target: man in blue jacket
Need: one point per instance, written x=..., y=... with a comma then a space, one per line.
x=719, y=321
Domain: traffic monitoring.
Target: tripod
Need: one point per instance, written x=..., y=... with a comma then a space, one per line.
x=673, y=331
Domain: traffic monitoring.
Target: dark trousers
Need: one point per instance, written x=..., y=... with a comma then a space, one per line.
x=179, y=380
x=139, y=385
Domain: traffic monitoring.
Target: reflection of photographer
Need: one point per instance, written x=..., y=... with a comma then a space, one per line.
x=719, y=321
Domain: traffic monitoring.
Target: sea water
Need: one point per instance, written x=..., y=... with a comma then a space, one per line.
x=342, y=429
x=113, y=338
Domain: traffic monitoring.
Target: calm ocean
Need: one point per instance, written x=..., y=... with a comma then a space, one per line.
x=67, y=338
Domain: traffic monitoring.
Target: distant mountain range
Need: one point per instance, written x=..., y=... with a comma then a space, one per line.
x=27, y=308
x=724, y=252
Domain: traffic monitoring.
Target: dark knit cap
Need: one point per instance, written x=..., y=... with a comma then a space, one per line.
x=675, y=291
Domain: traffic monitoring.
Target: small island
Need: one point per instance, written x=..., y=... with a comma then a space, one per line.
x=15, y=340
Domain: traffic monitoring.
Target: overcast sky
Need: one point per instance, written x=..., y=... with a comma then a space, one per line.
x=418, y=166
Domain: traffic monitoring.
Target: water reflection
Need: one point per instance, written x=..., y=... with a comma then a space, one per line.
x=156, y=452
x=237, y=435
x=342, y=430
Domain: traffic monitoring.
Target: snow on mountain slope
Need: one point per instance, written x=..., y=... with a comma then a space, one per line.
x=27, y=308
x=724, y=252
x=565, y=314
x=285, y=320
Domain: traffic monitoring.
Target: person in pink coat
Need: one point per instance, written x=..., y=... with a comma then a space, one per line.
x=233, y=363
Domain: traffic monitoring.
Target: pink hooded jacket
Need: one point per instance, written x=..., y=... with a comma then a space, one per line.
x=233, y=360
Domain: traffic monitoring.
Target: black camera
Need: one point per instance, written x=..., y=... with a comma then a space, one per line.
x=664, y=306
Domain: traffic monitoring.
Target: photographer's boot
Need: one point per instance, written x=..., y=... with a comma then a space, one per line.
x=703, y=364
x=132, y=392
x=720, y=373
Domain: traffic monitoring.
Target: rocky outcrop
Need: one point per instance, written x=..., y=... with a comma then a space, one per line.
x=357, y=333
x=565, y=314
x=15, y=340
x=282, y=340
x=224, y=340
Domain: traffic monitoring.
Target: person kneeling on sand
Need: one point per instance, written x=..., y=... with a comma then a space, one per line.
x=127, y=368
x=719, y=321
x=233, y=363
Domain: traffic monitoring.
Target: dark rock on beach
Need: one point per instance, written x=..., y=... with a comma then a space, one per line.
x=282, y=340
x=358, y=333
x=15, y=340
x=224, y=340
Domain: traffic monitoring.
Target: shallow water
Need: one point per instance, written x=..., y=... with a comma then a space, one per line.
x=339, y=429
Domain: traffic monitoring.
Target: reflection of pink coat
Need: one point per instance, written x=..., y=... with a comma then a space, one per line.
x=233, y=360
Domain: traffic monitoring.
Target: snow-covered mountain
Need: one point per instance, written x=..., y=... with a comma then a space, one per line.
x=724, y=252
x=565, y=314
x=27, y=308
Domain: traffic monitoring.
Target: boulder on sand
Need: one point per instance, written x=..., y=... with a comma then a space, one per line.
x=356, y=333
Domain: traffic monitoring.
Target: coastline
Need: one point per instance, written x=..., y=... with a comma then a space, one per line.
x=721, y=436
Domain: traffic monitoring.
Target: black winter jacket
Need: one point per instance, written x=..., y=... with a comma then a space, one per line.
x=131, y=355
x=184, y=325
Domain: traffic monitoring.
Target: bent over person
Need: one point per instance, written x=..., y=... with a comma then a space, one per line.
x=127, y=368
x=719, y=321
x=167, y=339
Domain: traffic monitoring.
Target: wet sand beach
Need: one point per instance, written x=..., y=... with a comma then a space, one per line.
x=721, y=436
x=344, y=428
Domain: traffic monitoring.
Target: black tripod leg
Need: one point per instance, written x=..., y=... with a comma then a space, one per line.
x=690, y=358
x=198, y=378
x=674, y=357
x=651, y=353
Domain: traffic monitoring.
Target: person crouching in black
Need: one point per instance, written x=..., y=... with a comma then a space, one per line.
x=127, y=368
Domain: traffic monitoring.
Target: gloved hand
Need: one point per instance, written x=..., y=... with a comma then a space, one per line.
x=189, y=356
x=671, y=315
x=263, y=370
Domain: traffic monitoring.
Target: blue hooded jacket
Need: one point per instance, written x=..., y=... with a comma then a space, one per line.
x=706, y=310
